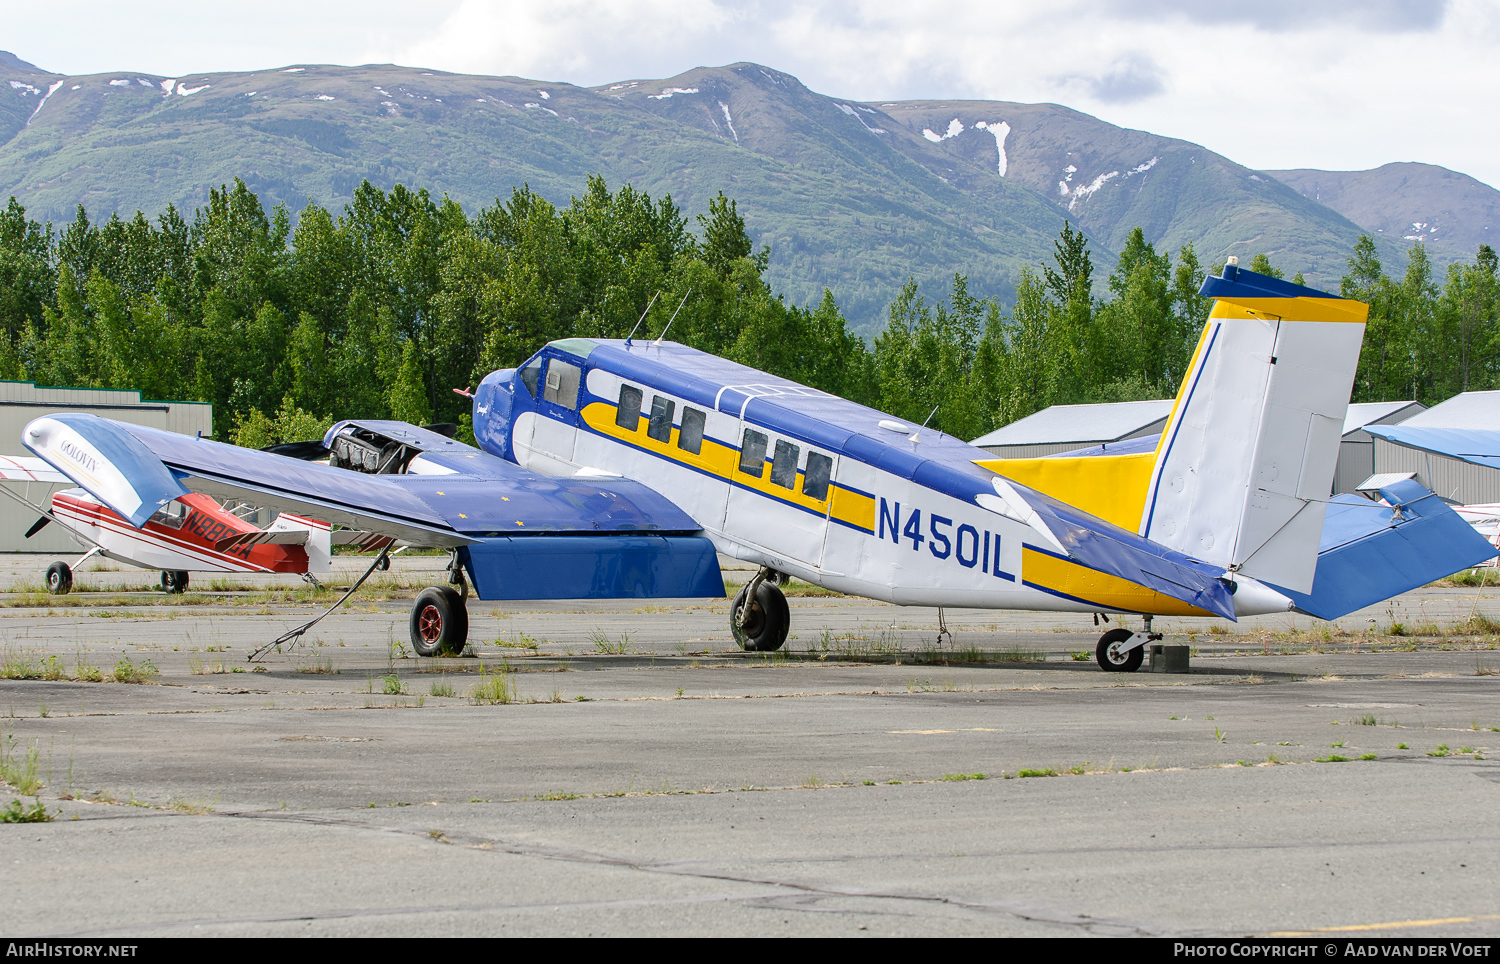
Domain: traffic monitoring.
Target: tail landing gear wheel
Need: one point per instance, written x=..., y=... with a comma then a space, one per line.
x=59, y=578
x=383, y=563
x=439, y=622
x=1111, y=660
x=174, y=580
x=766, y=623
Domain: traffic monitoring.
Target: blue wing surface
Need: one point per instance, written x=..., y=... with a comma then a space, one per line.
x=1477, y=445
x=1371, y=552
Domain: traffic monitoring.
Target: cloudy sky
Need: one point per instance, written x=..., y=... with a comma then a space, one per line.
x=1270, y=83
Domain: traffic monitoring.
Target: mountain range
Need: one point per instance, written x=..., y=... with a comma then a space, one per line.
x=856, y=197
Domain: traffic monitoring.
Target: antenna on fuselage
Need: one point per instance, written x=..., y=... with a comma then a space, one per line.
x=914, y=437
x=643, y=318
x=657, y=342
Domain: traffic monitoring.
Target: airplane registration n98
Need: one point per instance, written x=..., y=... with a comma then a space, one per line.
x=616, y=468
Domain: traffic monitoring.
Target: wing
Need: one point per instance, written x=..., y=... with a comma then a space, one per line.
x=622, y=537
x=22, y=468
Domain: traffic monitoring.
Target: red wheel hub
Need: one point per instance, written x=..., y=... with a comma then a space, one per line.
x=430, y=624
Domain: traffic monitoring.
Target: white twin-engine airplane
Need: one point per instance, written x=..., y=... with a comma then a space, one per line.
x=616, y=468
x=1226, y=515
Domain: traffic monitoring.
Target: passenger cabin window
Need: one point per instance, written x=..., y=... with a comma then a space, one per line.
x=784, y=465
x=815, y=477
x=562, y=384
x=690, y=436
x=628, y=415
x=661, y=418
x=531, y=376
x=753, y=453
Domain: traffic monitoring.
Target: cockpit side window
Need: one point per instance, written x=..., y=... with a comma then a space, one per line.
x=172, y=515
x=531, y=376
x=562, y=383
x=628, y=413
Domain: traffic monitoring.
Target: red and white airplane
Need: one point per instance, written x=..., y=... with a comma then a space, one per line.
x=193, y=533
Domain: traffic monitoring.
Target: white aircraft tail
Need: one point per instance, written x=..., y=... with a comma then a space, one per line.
x=1245, y=466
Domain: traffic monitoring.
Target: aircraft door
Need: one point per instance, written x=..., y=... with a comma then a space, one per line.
x=774, y=503
x=556, y=431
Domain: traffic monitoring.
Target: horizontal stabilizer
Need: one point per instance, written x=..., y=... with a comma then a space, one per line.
x=1371, y=552
x=1107, y=548
x=1480, y=446
x=108, y=462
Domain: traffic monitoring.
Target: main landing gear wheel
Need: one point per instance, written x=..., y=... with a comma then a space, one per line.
x=766, y=624
x=439, y=622
x=59, y=578
x=1111, y=660
x=174, y=580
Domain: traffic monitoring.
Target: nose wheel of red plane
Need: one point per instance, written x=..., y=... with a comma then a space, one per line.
x=759, y=616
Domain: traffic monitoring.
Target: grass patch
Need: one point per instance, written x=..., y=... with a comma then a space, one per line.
x=493, y=688
x=1368, y=756
x=604, y=645
x=20, y=767
x=128, y=672
x=317, y=666
x=17, y=813
x=1440, y=750
x=956, y=777
x=1081, y=657
x=440, y=687
x=1048, y=772
x=1332, y=758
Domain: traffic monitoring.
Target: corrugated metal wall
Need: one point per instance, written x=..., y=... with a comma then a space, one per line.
x=1356, y=463
x=20, y=402
x=1460, y=482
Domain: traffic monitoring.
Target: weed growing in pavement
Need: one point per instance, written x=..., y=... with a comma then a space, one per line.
x=493, y=687
x=1402, y=746
x=602, y=643
x=1332, y=758
x=441, y=687
x=317, y=666
x=1368, y=756
x=1048, y=772
x=393, y=685
x=128, y=672
x=1440, y=750
x=21, y=770
x=1367, y=720
x=955, y=777
x=17, y=813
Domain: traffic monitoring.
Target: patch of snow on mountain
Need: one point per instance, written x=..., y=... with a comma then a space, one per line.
x=1143, y=168
x=75, y=87
x=850, y=111
x=545, y=95
x=1071, y=170
x=143, y=83
x=320, y=96
x=185, y=90
x=167, y=86
x=673, y=90
x=1062, y=187
x=728, y=120
x=955, y=128
x=50, y=91
x=17, y=85
x=480, y=100
x=1255, y=177
x=252, y=93
x=1001, y=131
x=294, y=70
x=1082, y=193
x=116, y=83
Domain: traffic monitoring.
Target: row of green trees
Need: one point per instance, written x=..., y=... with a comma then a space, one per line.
x=381, y=309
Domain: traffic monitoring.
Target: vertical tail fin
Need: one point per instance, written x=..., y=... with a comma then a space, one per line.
x=1245, y=465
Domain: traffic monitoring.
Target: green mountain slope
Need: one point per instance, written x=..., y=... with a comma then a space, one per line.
x=854, y=197
x=1451, y=213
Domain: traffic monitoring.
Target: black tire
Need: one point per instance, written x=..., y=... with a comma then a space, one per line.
x=1129, y=664
x=59, y=578
x=439, y=622
x=174, y=580
x=769, y=620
